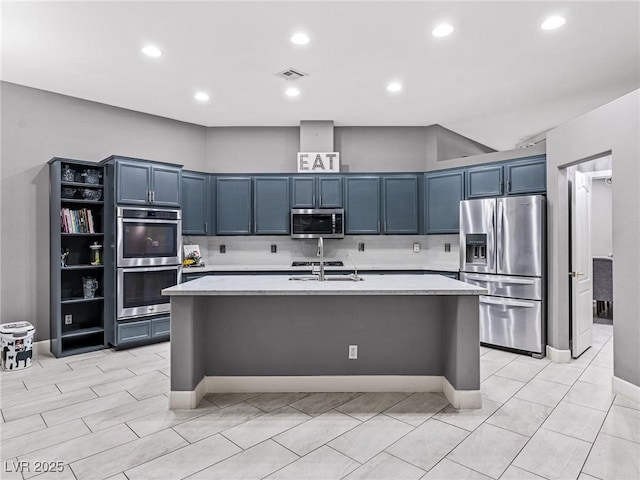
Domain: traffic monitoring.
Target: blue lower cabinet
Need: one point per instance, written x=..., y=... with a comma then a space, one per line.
x=143, y=331
x=161, y=327
x=362, y=204
x=131, y=332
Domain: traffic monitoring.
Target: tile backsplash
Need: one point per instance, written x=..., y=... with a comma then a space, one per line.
x=379, y=250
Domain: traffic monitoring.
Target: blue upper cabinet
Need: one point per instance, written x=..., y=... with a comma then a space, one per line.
x=133, y=180
x=362, y=204
x=271, y=205
x=195, y=203
x=329, y=192
x=146, y=183
x=485, y=181
x=316, y=192
x=303, y=192
x=443, y=192
x=526, y=176
x=165, y=185
x=400, y=204
x=233, y=205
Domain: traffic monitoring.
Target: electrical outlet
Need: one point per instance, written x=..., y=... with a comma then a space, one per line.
x=353, y=352
x=416, y=247
x=68, y=319
x=274, y=248
x=361, y=246
x=447, y=247
x=223, y=249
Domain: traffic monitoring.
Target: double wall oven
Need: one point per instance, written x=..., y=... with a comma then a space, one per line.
x=148, y=259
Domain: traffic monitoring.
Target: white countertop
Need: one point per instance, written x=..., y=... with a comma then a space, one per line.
x=437, y=267
x=282, y=285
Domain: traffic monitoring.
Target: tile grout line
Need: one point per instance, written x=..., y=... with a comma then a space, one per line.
x=551, y=413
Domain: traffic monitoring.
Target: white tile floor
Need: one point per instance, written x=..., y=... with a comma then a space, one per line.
x=104, y=415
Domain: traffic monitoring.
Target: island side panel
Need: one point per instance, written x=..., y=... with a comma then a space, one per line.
x=187, y=345
x=310, y=335
x=461, y=341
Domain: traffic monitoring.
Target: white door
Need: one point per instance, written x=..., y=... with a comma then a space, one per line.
x=581, y=265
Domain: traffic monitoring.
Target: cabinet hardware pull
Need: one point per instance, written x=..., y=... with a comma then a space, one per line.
x=205, y=227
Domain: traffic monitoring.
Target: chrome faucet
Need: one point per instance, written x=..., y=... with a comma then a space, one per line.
x=321, y=255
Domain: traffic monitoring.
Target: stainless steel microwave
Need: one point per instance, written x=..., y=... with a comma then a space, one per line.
x=317, y=222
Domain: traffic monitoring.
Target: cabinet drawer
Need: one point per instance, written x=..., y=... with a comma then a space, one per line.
x=160, y=327
x=133, y=331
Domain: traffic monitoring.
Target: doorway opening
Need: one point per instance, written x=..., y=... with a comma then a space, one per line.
x=591, y=249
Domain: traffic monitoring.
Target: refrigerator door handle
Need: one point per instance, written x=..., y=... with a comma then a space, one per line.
x=485, y=278
x=506, y=302
x=500, y=235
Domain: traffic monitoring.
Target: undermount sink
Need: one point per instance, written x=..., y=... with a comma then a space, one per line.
x=329, y=278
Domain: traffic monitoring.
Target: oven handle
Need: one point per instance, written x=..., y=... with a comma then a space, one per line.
x=506, y=302
x=158, y=268
x=149, y=220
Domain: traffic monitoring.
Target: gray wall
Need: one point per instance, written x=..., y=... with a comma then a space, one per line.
x=601, y=218
x=252, y=149
x=614, y=128
x=38, y=125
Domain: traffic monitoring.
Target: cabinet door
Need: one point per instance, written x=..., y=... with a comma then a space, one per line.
x=133, y=182
x=527, y=176
x=400, y=204
x=133, y=331
x=484, y=181
x=303, y=192
x=443, y=192
x=362, y=205
x=233, y=205
x=271, y=205
x=195, y=203
x=165, y=185
x=160, y=327
x=330, y=192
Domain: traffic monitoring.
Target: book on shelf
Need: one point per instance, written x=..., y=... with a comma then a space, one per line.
x=77, y=221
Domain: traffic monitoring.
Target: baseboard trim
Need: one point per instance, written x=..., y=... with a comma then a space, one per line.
x=328, y=383
x=626, y=389
x=558, y=356
x=42, y=347
x=461, y=398
x=188, y=399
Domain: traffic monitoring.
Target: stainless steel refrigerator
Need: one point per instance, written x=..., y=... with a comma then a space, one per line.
x=502, y=248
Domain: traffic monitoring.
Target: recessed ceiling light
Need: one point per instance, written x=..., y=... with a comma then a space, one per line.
x=152, y=51
x=442, y=30
x=394, y=87
x=201, y=97
x=300, y=38
x=552, y=23
x=292, y=92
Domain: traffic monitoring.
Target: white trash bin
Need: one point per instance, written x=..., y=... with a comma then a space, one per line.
x=16, y=341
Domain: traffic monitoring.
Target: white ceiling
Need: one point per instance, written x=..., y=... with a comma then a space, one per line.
x=498, y=79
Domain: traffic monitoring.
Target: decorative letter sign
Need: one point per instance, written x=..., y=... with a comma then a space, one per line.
x=318, y=162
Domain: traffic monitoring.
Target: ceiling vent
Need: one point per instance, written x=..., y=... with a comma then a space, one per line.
x=291, y=74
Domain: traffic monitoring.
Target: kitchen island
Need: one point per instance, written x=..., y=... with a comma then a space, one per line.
x=268, y=333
